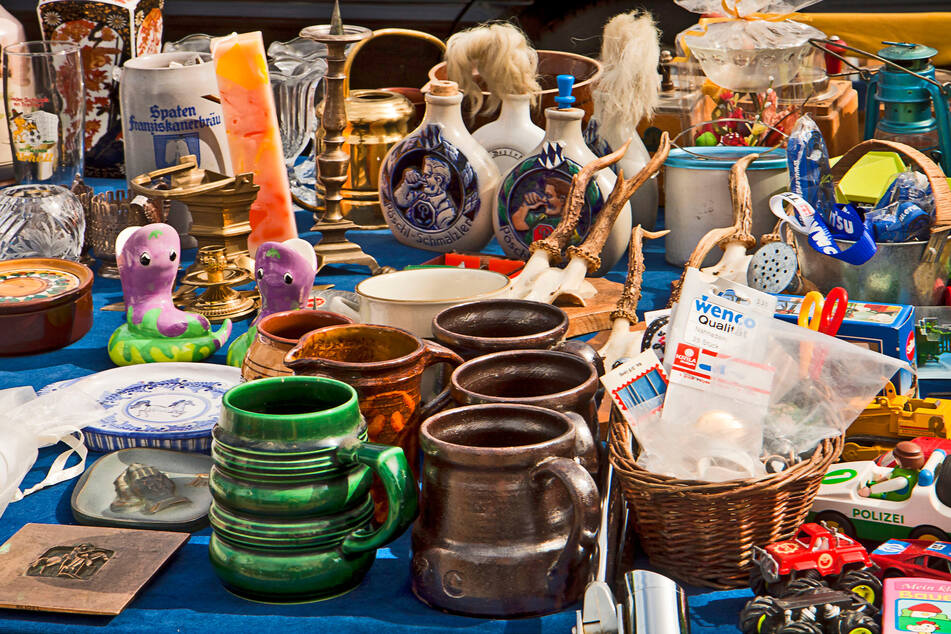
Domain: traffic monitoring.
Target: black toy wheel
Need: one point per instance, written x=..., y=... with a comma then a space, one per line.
x=928, y=533
x=802, y=627
x=655, y=337
x=855, y=623
x=863, y=583
x=756, y=616
x=757, y=583
x=804, y=585
x=891, y=573
x=835, y=520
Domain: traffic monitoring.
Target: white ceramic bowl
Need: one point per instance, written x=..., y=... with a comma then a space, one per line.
x=410, y=299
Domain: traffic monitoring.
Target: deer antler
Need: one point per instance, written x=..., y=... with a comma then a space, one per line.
x=739, y=231
x=590, y=249
x=631, y=294
x=555, y=242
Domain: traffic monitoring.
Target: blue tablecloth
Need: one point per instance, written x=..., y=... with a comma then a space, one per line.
x=186, y=596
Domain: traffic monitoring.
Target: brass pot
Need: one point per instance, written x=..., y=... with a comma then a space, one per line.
x=378, y=119
x=109, y=214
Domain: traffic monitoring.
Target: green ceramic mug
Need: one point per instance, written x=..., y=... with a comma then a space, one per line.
x=291, y=512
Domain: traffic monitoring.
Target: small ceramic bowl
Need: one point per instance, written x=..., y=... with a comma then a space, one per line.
x=45, y=304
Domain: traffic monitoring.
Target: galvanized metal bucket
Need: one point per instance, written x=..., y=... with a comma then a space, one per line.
x=913, y=273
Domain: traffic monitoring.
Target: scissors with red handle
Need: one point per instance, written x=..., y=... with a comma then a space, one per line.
x=824, y=315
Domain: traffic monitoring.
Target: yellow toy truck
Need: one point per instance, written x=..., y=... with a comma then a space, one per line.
x=892, y=418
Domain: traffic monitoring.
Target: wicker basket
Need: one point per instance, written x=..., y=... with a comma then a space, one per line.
x=703, y=533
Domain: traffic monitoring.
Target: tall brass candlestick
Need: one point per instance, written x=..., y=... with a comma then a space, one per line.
x=333, y=163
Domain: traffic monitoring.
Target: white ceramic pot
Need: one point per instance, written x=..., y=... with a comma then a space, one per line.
x=438, y=185
x=410, y=299
x=697, y=195
x=533, y=193
x=512, y=136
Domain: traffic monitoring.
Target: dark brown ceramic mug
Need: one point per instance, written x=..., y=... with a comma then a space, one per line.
x=385, y=365
x=544, y=378
x=485, y=326
x=508, y=517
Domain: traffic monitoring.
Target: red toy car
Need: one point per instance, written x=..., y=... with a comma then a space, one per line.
x=817, y=553
x=913, y=558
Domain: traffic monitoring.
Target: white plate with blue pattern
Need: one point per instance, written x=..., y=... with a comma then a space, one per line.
x=162, y=405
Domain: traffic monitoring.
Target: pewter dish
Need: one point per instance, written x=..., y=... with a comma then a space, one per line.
x=97, y=501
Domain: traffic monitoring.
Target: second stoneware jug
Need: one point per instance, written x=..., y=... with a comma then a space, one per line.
x=292, y=513
x=438, y=185
x=508, y=516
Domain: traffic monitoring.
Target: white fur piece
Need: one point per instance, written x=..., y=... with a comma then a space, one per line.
x=504, y=58
x=629, y=87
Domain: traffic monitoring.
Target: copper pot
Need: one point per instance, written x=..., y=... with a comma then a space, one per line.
x=508, y=517
x=277, y=334
x=550, y=64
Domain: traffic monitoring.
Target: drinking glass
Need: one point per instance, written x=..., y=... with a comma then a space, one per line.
x=44, y=97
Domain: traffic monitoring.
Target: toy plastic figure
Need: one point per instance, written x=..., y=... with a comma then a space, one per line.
x=897, y=485
x=924, y=514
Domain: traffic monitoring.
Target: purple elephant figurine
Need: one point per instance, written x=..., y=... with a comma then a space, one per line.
x=155, y=330
x=285, y=273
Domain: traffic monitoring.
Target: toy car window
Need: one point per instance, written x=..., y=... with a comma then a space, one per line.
x=918, y=561
x=938, y=564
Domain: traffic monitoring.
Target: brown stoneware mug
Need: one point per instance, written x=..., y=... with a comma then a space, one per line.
x=544, y=378
x=385, y=365
x=508, y=516
x=496, y=325
x=277, y=334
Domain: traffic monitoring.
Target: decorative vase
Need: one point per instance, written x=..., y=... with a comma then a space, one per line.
x=108, y=33
x=512, y=136
x=533, y=193
x=291, y=478
x=438, y=185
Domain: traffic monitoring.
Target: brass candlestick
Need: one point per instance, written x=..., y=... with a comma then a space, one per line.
x=333, y=163
x=217, y=276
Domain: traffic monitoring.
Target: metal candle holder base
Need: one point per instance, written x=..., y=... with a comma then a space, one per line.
x=333, y=163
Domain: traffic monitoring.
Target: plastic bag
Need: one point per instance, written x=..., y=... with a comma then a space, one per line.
x=745, y=7
x=743, y=385
x=32, y=422
x=808, y=161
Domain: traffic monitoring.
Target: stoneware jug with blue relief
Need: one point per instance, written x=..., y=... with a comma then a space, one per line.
x=438, y=185
x=533, y=193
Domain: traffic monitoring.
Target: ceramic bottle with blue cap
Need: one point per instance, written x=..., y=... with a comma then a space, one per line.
x=438, y=185
x=533, y=194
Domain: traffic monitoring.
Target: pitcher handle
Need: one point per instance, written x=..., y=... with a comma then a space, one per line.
x=585, y=505
x=437, y=353
x=344, y=307
x=389, y=464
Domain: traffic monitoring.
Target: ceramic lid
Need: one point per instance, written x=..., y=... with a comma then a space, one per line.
x=31, y=284
x=722, y=157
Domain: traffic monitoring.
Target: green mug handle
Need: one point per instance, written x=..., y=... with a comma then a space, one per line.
x=389, y=464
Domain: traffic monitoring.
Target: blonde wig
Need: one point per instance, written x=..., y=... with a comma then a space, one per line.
x=504, y=58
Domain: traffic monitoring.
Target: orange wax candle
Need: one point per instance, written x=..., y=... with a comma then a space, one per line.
x=253, y=134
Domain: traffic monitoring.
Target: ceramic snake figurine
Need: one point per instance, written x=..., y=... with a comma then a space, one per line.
x=155, y=330
x=285, y=273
